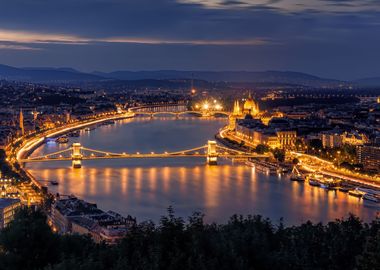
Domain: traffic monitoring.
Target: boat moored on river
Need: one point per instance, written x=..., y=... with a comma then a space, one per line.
x=296, y=175
x=62, y=139
x=356, y=193
x=315, y=179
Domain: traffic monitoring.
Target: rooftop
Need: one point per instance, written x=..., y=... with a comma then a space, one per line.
x=5, y=202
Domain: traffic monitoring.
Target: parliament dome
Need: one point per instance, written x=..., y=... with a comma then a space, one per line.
x=250, y=106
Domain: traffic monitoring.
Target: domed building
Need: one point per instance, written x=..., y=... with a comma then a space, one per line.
x=250, y=106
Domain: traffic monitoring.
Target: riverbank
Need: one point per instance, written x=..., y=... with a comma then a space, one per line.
x=325, y=167
x=27, y=146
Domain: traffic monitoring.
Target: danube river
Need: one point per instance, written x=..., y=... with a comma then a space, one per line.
x=145, y=188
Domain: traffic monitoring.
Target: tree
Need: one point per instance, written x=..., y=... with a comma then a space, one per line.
x=295, y=161
x=261, y=149
x=28, y=245
x=346, y=165
x=251, y=242
x=299, y=143
x=316, y=144
x=279, y=154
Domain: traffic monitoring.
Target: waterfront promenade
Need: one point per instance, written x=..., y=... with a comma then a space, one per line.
x=27, y=146
x=312, y=164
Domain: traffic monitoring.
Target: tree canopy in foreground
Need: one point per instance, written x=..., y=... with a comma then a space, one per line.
x=250, y=242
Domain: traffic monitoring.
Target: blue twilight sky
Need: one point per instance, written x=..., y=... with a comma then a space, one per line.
x=331, y=38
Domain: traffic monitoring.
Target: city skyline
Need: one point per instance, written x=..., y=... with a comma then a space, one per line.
x=334, y=39
x=189, y=134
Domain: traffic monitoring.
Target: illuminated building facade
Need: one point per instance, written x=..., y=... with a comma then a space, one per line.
x=336, y=138
x=369, y=156
x=253, y=131
x=331, y=139
x=354, y=138
x=286, y=138
x=261, y=127
x=250, y=106
x=8, y=208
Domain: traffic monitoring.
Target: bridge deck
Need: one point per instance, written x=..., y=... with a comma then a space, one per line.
x=136, y=156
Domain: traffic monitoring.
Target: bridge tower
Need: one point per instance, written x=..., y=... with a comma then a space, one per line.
x=76, y=155
x=212, y=155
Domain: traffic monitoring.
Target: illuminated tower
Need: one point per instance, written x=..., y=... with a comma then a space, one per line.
x=21, y=123
x=192, y=90
x=68, y=117
x=35, y=115
x=236, y=112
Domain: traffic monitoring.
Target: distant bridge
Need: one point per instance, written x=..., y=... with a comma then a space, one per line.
x=177, y=111
x=178, y=114
x=76, y=153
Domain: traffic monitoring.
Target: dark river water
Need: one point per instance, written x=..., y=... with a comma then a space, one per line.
x=145, y=188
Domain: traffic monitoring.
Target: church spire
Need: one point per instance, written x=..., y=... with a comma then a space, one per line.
x=236, y=110
x=21, y=123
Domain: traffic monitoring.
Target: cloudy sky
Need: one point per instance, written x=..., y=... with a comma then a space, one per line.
x=331, y=38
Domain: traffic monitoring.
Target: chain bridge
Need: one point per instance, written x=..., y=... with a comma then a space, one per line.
x=77, y=153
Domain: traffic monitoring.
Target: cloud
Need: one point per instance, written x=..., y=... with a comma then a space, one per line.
x=226, y=42
x=20, y=36
x=17, y=47
x=292, y=5
x=322, y=36
x=25, y=37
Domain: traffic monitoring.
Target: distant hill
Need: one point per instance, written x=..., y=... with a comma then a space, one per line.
x=368, y=82
x=68, y=69
x=286, y=77
x=46, y=75
x=69, y=75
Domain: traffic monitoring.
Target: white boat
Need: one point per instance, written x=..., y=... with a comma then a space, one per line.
x=62, y=139
x=314, y=182
x=355, y=193
x=331, y=184
x=296, y=175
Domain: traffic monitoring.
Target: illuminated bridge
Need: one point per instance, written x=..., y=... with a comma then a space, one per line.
x=178, y=111
x=182, y=113
x=76, y=153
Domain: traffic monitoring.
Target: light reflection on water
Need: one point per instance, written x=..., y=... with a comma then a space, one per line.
x=145, y=188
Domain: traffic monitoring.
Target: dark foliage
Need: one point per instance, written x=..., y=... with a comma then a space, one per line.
x=262, y=148
x=243, y=243
x=279, y=154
